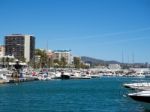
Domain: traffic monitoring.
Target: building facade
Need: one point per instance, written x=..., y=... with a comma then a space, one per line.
x=58, y=54
x=20, y=46
x=114, y=66
x=2, y=51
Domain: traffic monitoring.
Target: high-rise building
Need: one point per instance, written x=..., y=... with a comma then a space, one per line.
x=20, y=46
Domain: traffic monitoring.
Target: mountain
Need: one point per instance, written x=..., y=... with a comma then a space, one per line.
x=94, y=61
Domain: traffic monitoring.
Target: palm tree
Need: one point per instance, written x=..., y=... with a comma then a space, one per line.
x=56, y=63
x=77, y=62
x=3, y=61
x=63, y=62
x=7, y=60
x=43, y=57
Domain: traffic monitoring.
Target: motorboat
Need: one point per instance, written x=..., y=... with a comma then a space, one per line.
x=65, y=75
x=4, y=78
x=143, y=97
x=95, y=76
x=83, y=76
x=138, y=86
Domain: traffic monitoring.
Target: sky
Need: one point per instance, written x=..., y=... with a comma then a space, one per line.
x=104, y=29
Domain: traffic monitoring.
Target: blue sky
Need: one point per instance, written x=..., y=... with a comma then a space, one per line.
x=103, y=29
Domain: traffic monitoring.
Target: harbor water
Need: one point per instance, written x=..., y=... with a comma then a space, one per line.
x=104, y=94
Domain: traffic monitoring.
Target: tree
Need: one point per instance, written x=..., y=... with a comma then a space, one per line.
x=63, y=62
x=3, y=61
x=77, y=62
x=50, y=62
x=43, y=57
x=56, y=63
x=7, y=60
x=84, y=66
x=22, y=58
x=11, y=59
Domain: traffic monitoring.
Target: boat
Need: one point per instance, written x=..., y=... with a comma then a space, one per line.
x=55, y=75
x=142, y=97
x=4, y=78
x=65, y=75
x=83, y=76
x=95, y=76
x=138, y=86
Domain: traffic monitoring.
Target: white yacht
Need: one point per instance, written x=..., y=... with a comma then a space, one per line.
x=143, y=97
x=138, y=86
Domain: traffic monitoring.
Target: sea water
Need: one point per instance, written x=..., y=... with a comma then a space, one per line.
x=104, y=94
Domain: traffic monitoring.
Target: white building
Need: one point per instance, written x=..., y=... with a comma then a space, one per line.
x=2, y=51
x=114, y=66
x=58, y=54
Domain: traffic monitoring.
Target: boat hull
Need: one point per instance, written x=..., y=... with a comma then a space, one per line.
x=65, y=77
x=143, y=100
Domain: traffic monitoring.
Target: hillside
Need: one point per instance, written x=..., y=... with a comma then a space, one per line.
x=94, y=61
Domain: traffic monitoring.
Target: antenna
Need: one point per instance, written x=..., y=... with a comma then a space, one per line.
x=122, y=57
x=128, y=59
x=47, y=45
x=133, y=58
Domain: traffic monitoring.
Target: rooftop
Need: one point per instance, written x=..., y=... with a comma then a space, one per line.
x=61, y=50
x=19, y=35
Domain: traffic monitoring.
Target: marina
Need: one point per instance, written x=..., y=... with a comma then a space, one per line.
x=94, y=95
x=75, y=56
x=137, y=85
x=29, y=74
